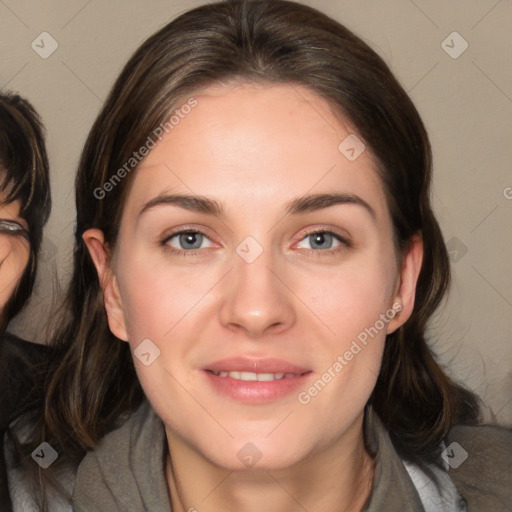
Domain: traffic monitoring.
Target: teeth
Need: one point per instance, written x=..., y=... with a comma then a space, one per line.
x=250, y=376
x=266, y=376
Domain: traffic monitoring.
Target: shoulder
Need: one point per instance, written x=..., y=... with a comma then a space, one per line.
x=116, y=445
x=125, y=471
x=24, y=478
x=20, y=349
x=17, y=355
x=480, y=460
x=19, y=362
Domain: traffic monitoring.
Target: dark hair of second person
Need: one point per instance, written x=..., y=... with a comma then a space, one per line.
x=24, y=178
x=25, y=203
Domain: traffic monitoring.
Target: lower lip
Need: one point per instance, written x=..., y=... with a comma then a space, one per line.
x=256, y=392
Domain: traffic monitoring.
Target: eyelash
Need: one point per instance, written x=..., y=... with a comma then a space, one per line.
x=12, y=227
x=344, y=242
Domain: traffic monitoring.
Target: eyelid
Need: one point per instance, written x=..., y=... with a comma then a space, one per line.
x=164, y=240
x=185, y=229
x=12, y=227
x=342, y=238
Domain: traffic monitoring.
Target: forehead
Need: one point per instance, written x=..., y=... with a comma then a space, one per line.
x=255, y=144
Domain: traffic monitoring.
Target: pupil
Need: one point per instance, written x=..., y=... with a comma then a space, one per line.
x=193, y=239
x=320, y=238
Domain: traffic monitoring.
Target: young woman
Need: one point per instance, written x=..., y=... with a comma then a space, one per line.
x=24, y=209
x=256, y=261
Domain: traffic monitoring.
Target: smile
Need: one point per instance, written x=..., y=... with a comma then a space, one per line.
x=255, y=387
x=251, y=376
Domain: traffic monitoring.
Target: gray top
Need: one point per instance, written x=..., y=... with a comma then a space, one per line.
x=126, y=472
x=484, y=478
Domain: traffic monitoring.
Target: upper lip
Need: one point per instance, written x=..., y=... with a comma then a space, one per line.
x=255, y=365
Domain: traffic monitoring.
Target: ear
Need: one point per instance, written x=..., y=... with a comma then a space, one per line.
x=405, y=291
x=94, y=240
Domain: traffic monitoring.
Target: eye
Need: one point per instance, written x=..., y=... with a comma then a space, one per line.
x=323, y=241
x=11, y=227
x=186, y=241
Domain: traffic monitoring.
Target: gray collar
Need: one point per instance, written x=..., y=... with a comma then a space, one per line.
x=393, y=489
x=127, y=470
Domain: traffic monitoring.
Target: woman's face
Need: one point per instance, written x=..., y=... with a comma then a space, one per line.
x=290, y=269
x=14, y=249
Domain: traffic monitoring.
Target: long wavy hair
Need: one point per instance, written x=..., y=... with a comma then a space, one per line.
x=93, y=383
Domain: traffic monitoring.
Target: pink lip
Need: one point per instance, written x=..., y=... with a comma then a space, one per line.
x=255, y=392
x=251, y=364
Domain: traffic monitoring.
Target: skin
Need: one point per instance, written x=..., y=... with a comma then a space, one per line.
x=254, y=148
x=14, y=252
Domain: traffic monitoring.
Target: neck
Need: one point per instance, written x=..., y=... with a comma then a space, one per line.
x=336, y=478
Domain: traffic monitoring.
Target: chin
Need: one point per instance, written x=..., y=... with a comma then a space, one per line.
x=257, y=455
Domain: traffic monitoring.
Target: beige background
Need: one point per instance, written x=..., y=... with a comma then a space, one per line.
x=466, y=103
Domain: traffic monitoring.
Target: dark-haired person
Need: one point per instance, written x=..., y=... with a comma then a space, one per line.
x=24, y=209
x=256, y=260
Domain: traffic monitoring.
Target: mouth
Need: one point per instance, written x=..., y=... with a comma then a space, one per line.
x=251, y=376
x=255, y=381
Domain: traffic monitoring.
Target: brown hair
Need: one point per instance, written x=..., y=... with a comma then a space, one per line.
x=265, y=41
x=24, y=177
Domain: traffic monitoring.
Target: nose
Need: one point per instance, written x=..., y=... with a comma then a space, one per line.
x=255, y=300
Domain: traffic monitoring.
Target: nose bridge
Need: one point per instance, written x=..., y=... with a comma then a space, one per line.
x=256, y=300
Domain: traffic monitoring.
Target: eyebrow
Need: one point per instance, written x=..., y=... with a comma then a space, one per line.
x=315, y=202
x=296, y=206
x=199, y=204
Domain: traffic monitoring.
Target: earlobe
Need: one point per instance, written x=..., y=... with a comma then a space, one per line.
x=95, y=242
x=410, y=271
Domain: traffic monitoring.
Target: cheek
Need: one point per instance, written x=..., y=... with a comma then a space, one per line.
x=351, y=298
x=14, y=255
x=171, y=306
x=353, y=304
x=157, y=296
